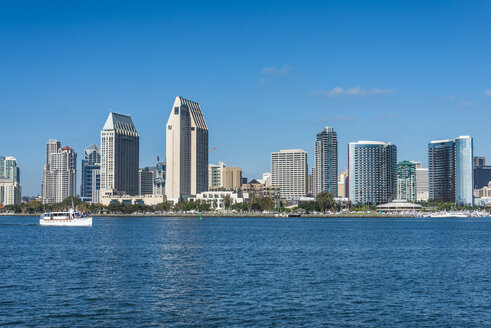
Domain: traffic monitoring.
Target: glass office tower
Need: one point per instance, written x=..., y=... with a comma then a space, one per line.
x=450, y=165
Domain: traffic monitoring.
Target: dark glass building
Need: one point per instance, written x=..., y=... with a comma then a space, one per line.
x=325, y=171
x=90, y=162
x=450, y=170
x=482, y=173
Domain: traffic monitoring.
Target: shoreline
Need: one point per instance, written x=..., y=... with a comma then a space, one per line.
x=238, y=215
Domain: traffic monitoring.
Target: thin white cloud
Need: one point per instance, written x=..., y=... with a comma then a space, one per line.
x=465, y=104
x=487, y=92
x=274, y=71
x=356, y=91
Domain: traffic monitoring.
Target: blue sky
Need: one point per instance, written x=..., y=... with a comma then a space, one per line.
x=268, y=76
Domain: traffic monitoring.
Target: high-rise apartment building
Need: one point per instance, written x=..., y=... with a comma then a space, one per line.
x=406, y=181
x=60, y=173
x=186, y=150
x=451, y=170
x=372, y=172
x=120, y=146
x=10, y=188
x=90, y=162
x=325, y=173
x=215, y=173
x=289, y=171
x=231, y=178
x=343, y=185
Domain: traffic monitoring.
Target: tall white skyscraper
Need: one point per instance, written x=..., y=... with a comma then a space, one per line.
x=289, y=171
x=325, y=173
x=120, y=147
x=60, y=173
x=186, y=150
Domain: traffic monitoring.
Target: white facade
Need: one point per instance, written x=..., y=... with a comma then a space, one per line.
x=60, y=173
x=186, y=150
x=107, y=198
x=217, y=197
x=289, y=171
x=120, y=144
x=215, y=174
x=422, y=183
x=10, y=192
x=267, y=179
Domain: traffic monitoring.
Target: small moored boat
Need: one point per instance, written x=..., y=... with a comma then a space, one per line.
x=70, y=218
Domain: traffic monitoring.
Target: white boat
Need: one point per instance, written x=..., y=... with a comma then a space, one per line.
x=449, y=215
x=70, y=218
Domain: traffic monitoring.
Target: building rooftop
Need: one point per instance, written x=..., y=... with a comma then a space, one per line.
x=91, y=149
x=291, y=151
x=194, y=109
x=117, y=121
x=368, y=142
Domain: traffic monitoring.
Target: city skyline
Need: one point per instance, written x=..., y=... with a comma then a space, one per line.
x=409, y=84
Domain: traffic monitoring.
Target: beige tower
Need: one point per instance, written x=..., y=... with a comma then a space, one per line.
x=186, y=151
x=120, y=147
x=232, y=177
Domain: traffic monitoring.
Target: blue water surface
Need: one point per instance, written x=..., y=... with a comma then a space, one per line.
x=246, y=272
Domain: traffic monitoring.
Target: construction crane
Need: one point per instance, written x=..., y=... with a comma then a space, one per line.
x=214, y=148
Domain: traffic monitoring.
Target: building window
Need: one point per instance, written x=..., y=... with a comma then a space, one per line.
x=169, y=127
x=176, y=110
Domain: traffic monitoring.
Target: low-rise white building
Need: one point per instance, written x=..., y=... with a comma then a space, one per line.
x=107, y=198
x=217, y=198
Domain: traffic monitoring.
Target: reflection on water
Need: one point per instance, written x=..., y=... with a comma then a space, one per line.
x=134, y=272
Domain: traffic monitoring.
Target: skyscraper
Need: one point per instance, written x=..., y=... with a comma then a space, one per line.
x=372, y=172
x=325, y=173
x=186, y=150
x=289, y=172
x=10, y=189
x=60, y=173
x=406, y=181
x=451, y=170
x=120, y=146
x=422, y=182
x=90, y=162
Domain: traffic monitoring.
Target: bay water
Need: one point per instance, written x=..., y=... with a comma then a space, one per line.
x=246, y=272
